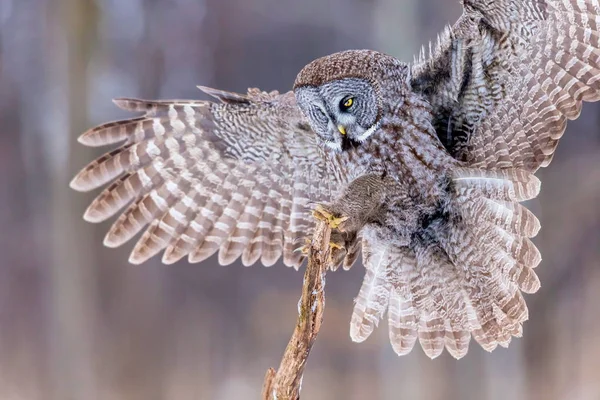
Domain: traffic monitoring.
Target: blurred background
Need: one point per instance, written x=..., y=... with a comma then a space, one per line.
x=78, y=322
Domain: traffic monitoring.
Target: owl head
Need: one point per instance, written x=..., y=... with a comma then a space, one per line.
x=344, y=95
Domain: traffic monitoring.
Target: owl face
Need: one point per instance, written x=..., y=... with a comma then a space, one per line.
x=342, y=112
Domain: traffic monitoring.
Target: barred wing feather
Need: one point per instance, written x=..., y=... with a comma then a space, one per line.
x=508, y=75
x=235, y=177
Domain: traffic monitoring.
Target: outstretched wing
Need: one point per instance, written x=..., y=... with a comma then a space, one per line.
x=507, y=77
x=236, y=176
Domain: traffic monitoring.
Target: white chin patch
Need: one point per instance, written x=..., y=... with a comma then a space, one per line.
x=334, y=146
x=368, y=133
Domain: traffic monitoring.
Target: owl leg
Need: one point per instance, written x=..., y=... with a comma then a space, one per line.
x=361, y=202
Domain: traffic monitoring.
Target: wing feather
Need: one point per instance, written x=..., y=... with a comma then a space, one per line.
x=236, y=178
x=509, y=75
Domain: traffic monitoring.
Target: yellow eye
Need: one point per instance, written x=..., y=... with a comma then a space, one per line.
x=348, y=103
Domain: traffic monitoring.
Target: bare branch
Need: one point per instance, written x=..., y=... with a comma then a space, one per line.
x=285, y=383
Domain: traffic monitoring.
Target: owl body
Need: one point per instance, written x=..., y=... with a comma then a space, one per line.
x=420, y=168
x=413, y=171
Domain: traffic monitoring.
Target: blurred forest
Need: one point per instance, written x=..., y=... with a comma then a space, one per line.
x=78, y=322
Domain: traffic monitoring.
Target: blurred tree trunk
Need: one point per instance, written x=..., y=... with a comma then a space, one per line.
x=72, y=296
x=396, y=27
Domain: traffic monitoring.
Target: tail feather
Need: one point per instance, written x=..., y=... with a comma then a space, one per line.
x=403, y=318
x=490, y=244
x=374, y=294
x=443, y=296
x=432, y=334
x=457, y=339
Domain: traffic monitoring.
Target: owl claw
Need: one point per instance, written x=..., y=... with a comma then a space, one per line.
x=306, y=247
x=335, y=246
x=322, y=214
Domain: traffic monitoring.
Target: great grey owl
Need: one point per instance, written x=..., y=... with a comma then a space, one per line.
x=420, y=167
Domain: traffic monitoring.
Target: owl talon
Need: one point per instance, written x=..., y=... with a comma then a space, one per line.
x=306, y=247
x=335, y=246
x=322, y=214
x=336, y=250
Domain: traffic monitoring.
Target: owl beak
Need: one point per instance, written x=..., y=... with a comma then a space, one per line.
x=342, y=129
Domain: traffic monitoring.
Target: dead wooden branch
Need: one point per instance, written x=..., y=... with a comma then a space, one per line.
x=285, y=383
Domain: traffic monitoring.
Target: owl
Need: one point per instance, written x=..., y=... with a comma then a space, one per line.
x=420, y=168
